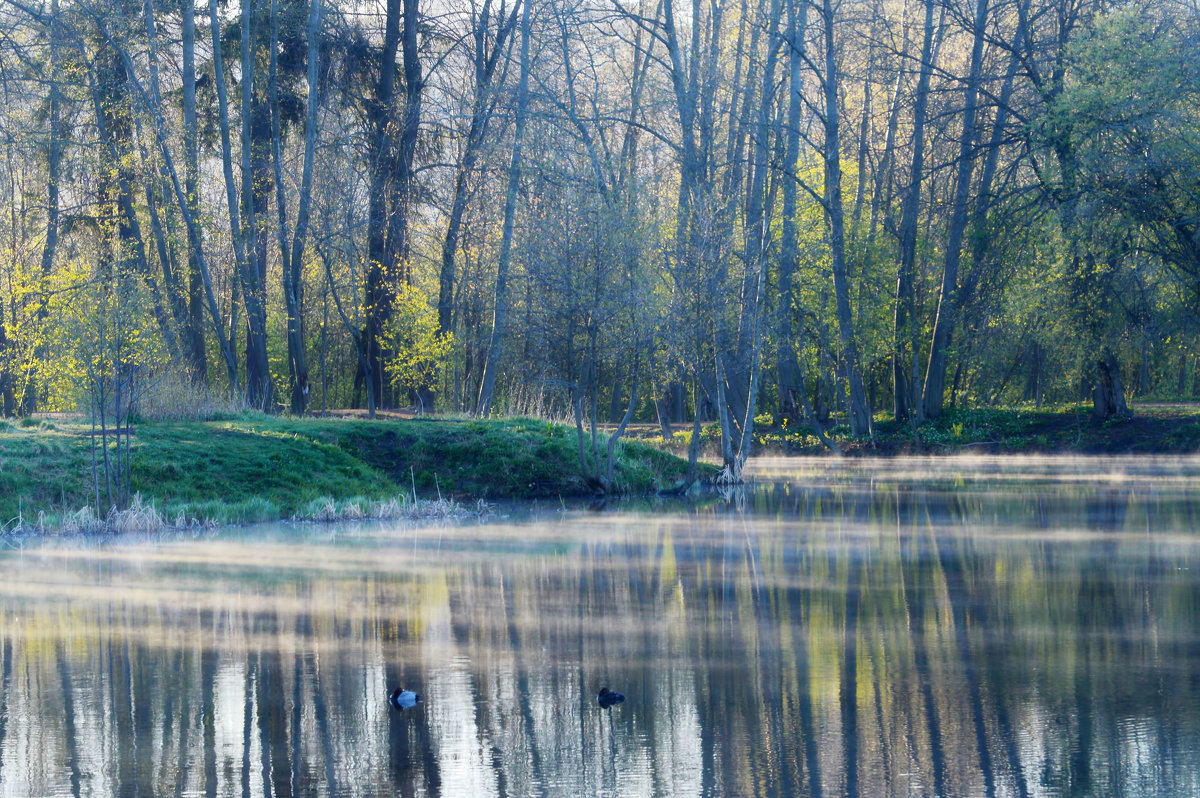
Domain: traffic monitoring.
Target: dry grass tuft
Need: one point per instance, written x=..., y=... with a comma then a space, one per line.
x=140, y=517
x=397, y=508
x=174, y=396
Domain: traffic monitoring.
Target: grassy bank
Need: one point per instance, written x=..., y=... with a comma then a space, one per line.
x=259, y=468
x=1155, y=428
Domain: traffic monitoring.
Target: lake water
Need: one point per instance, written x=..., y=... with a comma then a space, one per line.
x=955, y=627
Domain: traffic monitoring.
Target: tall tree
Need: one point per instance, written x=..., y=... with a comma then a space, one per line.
x=935, y=376
x=29, y=388
x=500, y=309
x=191, y=148
x=860, y=413
x=260, y=388
x=292, y=253
x=745, y=364
x=377, y=299
x=904, y=342
x=486, y=56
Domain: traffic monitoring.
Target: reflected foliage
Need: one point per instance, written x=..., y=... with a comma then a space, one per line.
x=961, y=628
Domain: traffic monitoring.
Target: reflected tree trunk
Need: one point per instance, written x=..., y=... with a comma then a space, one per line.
x=951, y=564
x=914, y=597
x=6, y=655
x=848, y=696
x=70, y=732
x=208, y=678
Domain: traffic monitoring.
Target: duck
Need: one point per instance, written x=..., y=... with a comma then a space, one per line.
x=403, y=699
x=608, y=698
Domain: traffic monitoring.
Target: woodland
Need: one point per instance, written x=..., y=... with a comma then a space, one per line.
x=747, y=212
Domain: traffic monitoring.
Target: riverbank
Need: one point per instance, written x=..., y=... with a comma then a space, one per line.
x=254, y=468
x=1154, y=428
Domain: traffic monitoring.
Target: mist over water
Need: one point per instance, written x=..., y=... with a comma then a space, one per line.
x=962, y=626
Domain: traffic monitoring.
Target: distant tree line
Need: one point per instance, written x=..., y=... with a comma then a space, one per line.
x=607, y=209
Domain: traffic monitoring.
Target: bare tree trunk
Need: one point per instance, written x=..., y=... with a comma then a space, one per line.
x=237, y=229
x=155, y=191
x=390, y=164
x=694, y=441
x=292, y=258
x=787, y=375
x=935, y=376
x=397, y=244
x=860, y=415
x=485, y=64
x=881, y=197
x=1108, y=393
x=378, y=291
x=260, y=392
x=195, y=335
x=981, y=240
x=904, y=386
x=356, y=332
x=495, y=347
x=110, y=84
x=864, y=129
x=29, y=398
x=8, y=402
x=741, y=387
x=183, y=204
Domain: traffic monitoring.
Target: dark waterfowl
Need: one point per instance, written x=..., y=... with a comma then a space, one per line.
x=404, y=699
x=608, y=698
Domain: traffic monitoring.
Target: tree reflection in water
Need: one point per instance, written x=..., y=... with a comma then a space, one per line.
x=873, y=629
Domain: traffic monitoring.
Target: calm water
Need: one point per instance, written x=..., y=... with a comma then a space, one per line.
x=958, y=627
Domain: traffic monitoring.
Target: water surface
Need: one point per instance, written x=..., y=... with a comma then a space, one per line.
x=968, y=626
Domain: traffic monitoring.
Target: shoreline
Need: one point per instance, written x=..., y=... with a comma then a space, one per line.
x=254, y=468
x=1154, y=429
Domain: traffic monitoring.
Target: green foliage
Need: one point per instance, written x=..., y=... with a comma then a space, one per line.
x=418, y=350
x=1132, y=106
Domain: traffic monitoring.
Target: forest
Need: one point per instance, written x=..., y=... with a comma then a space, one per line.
x=750, y=212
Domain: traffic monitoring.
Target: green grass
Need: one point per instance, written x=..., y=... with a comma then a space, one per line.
x=257, y=468
x=41, y=470
x=1154, y=428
